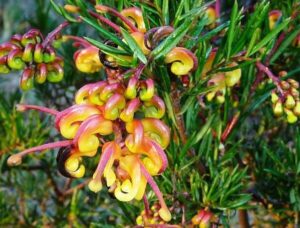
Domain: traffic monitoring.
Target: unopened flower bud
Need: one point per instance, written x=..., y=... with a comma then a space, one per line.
x=28, y=53
x=290, y=102
x=297, y=109
x=4, y=69
x=293, y=83
x=291, y=117
x=274, y=97
x=274, y=17
x=282, y=73
x=220, y=99
x=233, y=77
x=71, y=8
x=26, y=80
x=295, y=93
x=14, y=160
x=95, y=185
x=285, y=85
x=38, y=53
x=278, y=109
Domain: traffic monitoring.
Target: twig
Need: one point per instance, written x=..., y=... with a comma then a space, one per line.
x=146, y=203
x=230, y=126
x=243, y=219
x=105, y=21
x=79, y=186
x=275, y=79
x=51, y=35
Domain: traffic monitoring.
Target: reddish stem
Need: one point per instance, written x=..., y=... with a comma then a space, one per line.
x=218, y=8
x=229, y=127
x=46, y=146
x=24, y=107
x=275, y=47
x=51, y=35
x=106, y=155
x=80, y=40
x=139, y=70
x=105, y=21
x=275, y=79
x=153, y=185
x=114, y=12
x=162, y=156
x=146, y=203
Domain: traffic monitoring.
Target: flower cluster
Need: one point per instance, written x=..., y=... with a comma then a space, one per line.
x=202, y=218
x=120, y=115
x=182, y=61
x=34, y=55
x=222, y=81
x=150, y=217
x=286, y=100
x=123, y=120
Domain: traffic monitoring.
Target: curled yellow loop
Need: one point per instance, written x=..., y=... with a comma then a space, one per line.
x=113, y=107
x=87, y=136
x=87, y=60
x=139, y=39
x=70, y=122
x=127, y=190
x=155, y=108
x=157, y=130
x=233, y=77
x=73, y=165
x=136, y=15
x=274, y=17
x=183, y=61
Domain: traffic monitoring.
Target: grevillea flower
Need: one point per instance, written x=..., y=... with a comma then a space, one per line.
x=87, y=60
x=150, y=216
x=212, y=16
x=182, y=61
x=220, y=81
x=136, y=153
x=202, y=218
x=274, y=17
x=135, y=14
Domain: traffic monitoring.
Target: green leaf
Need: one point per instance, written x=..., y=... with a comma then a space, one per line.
x=134, y=47
x=213, y=32
x=171, y=41
x=231, y=30
x=253, y=40
x=106, y=34
x=60, y=10
x=289, y=39
x=178, y=12
x=106, y=48
x=165, y=11
x=270, y=36
x=196, y=137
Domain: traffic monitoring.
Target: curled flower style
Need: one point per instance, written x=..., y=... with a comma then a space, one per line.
x=136, y=15
x=221, y=81
x=154, y=108
x=132, y=149
x=182, y=61
x=274, y=17
x=87, y=60
x=139, y=38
